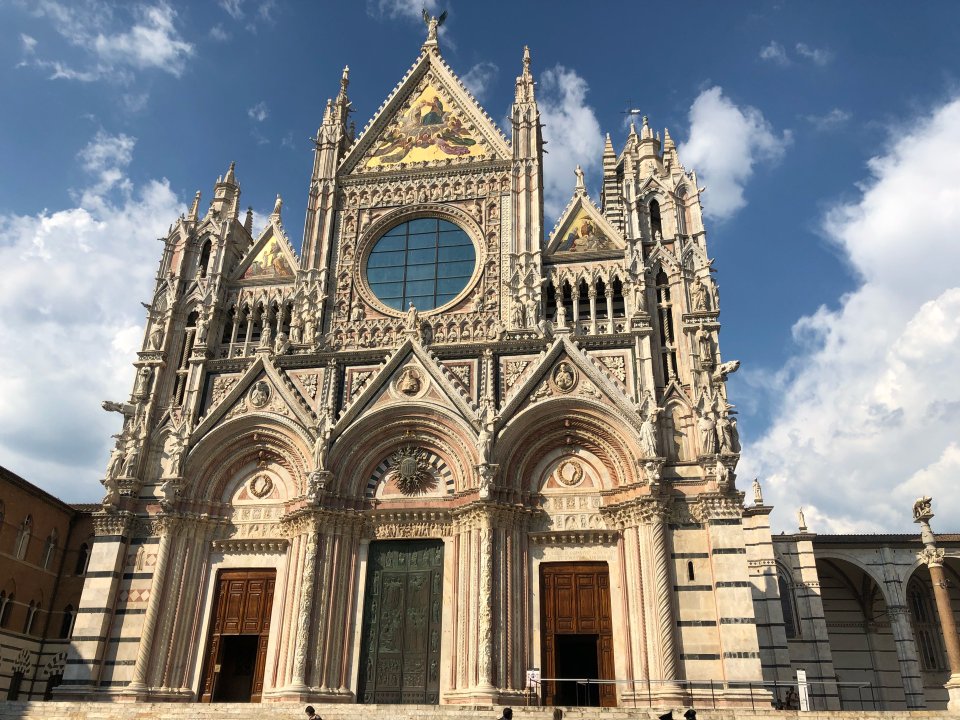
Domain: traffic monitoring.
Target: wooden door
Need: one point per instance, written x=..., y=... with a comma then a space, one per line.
x=575, y=600
x=400, y=648
x=242, y=605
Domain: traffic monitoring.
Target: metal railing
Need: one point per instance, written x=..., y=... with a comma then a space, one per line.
x=784, y=695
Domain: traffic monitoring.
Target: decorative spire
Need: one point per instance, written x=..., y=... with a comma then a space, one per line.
x=231, y=177
x=277, y=206
x=248, y=222
x=526, y=61
x=667, y=140
x=608, y=147
x=195, y=208
x=344, y=80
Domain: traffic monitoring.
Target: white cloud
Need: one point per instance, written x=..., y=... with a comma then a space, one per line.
x=870, y=405
x=233, y=8
x=818, y=56
x=218, y=33
x=726, y=143
x=829, y=121
x=572, y=132
x=152, y=41
x=409, y=9
x=69, y=284
x=774, y=53
x=480, y=78
x=27, y=43
x=259, y=112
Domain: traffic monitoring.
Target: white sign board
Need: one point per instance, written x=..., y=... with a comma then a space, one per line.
x=803, y=690
x=533, y=678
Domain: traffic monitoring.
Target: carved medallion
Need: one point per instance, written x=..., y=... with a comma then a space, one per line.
x=565, y=377
x=570, y=473
x=260, y=393
x=410, y=472
x=260, y=486
x=410, y=381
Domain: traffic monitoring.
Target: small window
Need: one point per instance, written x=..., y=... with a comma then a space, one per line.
x=204, y=260
x=28, y=620
x=787, y=606
x=49, y=550
x=82, y=555
x=691, y=575
x=6, y=603
x=656, y=226
x=66, y=625
x=13, y=692
x=23, y=538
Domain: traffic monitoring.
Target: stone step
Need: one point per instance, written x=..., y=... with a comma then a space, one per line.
x=294, y=711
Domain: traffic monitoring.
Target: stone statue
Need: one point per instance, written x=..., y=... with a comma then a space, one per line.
x=639, y=299
x=433, y=24
x=156, y=338
x=485, y=438
x=409, y=382
x=648, y=427
x=178, y=448
x=519, y=316
x=141, y=388
x=801, y=521
x=724, y=479
x=533, y=313
x=725, y=369
x=296, y=332
x=707, y=425
x=115, y=464
x=561, y=316
x=704, y=347
x=413, y=319
x=111, y=499
x=357, y=314
x=202, y=327
x=757, y=492
x=266, y=336
x=281, y=344
x=699, y=297
x=923, y=509
x=727, y=431
x=320, y=445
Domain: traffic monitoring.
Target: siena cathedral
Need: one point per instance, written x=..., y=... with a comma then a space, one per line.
x=449, y=454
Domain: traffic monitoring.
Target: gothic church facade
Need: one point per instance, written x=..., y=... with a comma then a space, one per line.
x=441, y=445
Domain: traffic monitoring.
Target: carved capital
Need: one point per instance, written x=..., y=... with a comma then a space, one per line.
x=710, y=506
x=931, y=556
x=112, y=523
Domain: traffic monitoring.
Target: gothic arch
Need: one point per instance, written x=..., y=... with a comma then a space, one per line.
x=215, y=461
x=356, y=454
x=553, y=423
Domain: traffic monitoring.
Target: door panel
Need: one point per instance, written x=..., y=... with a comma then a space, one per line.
x=242, y=606
x=400, y=651
x=575, y=600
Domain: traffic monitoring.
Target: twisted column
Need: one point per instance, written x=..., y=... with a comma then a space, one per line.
x=145, y=650
x=663, y=593
x=305, y=610
x=485, y=614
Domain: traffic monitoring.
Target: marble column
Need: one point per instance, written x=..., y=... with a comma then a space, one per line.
x=933, y=557
x=145, y=651
x=305, y=611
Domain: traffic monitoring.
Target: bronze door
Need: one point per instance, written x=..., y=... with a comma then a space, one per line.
x=400, y=649
x=577, y=633
x=239, y=632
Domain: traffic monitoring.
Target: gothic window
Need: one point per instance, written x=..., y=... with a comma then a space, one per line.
x=790, y=624
x=583, y=301
x=82, y=555
x=619, y=307
x=204, y=260
x=2, y=513
x=23, y=538
x=49, y=549
x=656, y=226
x=66, y=625
x=426, y=261
x=601, y=300
x=926, y=625
x=550, y=309
x=668, y=355
x=5, y=602
x=568, y=300
x=229, y=325
x=31, y=617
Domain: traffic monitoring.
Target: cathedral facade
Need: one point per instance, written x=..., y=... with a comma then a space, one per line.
x=442, y=446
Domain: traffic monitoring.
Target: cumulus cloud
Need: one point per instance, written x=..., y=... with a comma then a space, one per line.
x=259, y=112
x=572, y=131
x=870, y=405
x=830, y=120
x=150, y=42
x=774, y=53
x=480, y=78
x=69, y=284
x=726, y=143
x=818, y=56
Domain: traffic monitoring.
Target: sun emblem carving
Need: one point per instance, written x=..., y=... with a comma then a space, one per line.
x=410, y=472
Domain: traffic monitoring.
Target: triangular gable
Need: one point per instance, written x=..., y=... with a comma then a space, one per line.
x=440, y=376
x=429, y=118
x=564, y=348
x=241, y=396
x=583, y=229
x=270, y=259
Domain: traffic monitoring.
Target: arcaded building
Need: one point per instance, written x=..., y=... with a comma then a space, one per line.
x=442, y=445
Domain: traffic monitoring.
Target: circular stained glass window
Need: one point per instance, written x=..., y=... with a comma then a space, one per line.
x=427, y=262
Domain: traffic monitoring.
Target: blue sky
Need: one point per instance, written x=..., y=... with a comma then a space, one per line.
x=825, y=133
